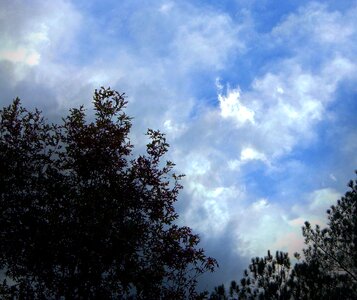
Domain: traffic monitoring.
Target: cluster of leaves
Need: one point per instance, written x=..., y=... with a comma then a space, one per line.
x=266, y=278
x=80, y=218
x=328, y=271
x=336, y=246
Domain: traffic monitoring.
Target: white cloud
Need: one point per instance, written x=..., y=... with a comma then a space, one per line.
x=276, y=115
x=282, y=108
x=313, y=209
x=258, y=226
x=293, y=98
x=37, y=40
x=260, y=205
x=234, y=164
x=276, y=228
x=288, y=102
x=40, y=29
x=248, y=154
x=285, y=119
x=314, y=206
x=317, y=24
x=21, y=55
x=197, y=164
x=321, y=199
x=166, y=7
x=205, y=40
x=210, y=209
x=173, y=129
x=231, y=107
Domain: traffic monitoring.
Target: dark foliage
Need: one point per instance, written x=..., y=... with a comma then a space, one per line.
x=327, y=272
x=332, y=251
x=219, y=293
x=82, y=219
x=265, y=279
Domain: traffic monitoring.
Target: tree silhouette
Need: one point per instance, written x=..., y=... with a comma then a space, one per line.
x=265, y=278
x=331, y=253
x=328, y=270
x=336, y=245
x=219, y=293
x=82, y=219
x=308, y=281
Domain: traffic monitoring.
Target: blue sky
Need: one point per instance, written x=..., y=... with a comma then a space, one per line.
x=258, y=100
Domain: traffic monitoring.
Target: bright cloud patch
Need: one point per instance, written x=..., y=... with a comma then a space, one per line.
x=267, y=222
x=231, y=107
x=213, y=207
x=25, y=50
x=21, y=55
x=248, y=154
x=321, y=199
x=174, y=130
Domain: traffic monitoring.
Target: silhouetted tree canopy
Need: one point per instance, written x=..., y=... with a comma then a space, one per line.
x=328, y=270
x=264, y=279
x=81, y=218
x=333, y=250
x=219, y=293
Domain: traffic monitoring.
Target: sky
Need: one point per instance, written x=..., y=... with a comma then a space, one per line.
x=258, y=100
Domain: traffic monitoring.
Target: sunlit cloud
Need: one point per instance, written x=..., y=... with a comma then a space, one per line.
x=248, y=154
x=21, y=55
x=231, y=107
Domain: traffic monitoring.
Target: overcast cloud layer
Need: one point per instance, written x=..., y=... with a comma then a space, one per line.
x=259, y=102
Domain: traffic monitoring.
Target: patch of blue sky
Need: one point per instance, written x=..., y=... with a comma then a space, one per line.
x=230, y=6
x=319, y=165
x=342, y=6
x=284, y=185
x=258, y=182
x=344, y=108
x=267, y=14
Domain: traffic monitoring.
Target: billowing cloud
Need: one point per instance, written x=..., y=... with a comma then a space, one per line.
x=280, y=114
x=231, y=107
x=206, y=40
